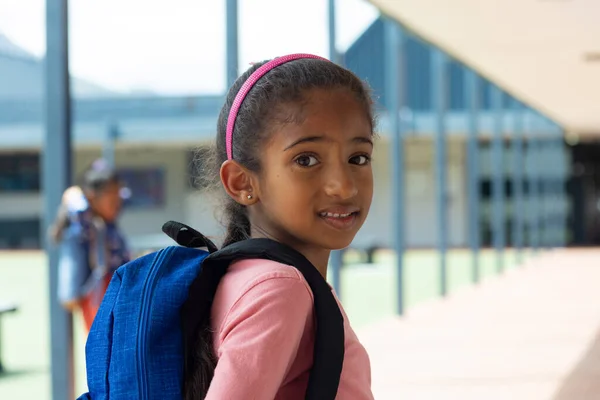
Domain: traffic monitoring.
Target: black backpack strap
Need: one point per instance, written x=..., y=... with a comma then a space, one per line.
x=329, y=337
x=187, y=236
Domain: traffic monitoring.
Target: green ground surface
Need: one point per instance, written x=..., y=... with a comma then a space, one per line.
x=368, y=294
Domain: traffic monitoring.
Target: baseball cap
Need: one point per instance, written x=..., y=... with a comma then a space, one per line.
x=101, y=173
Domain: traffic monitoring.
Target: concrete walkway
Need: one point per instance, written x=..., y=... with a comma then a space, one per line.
x=533, y=333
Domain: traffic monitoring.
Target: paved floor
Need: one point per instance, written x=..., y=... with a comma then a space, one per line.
x=368, y=295
x=533, y=333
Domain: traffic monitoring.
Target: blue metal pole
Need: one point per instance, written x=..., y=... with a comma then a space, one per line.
x=394, y=76
x=472, y=91
x=498, y=231
x=439, y=85
x=551, y=164
x=334, y=55
x=336, y=258
x=544, y=191
x=518, y=166
x=564, y=167
x=556, y=190
x=545, y=184
x=56, y=176
x=232, y=63
x=551, y=192
x=534, y=192
x=542, y=181
x=109, y=148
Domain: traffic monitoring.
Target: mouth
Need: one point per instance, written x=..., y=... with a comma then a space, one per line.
x=340, y=219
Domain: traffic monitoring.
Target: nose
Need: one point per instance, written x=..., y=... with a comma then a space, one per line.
x=340, y=182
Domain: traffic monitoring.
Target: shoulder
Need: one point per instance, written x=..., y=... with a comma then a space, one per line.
x=250, y=273
x=264, y=289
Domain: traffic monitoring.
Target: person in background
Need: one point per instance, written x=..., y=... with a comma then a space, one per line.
x=91, y=245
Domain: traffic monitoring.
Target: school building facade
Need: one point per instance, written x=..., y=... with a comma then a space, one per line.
x=153, y=140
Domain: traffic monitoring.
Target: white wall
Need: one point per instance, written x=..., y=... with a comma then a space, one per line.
x=200, y=214
x=420, y=223
x=196, y=208
x=20, y=206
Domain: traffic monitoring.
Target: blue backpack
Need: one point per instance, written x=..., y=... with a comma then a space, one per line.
x=143, y=340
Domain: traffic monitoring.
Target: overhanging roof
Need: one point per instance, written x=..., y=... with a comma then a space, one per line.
x=544, y=52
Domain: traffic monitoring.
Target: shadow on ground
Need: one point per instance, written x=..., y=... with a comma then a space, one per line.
x=583, y=382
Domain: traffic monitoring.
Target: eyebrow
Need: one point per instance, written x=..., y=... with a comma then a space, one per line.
x=313, y=139
x=362, y=139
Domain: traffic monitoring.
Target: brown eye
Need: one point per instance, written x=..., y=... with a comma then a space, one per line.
x=360, y=160
x=307, y=161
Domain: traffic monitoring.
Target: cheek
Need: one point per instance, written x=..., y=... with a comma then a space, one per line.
x=366, y=184
x=101, y=204
x=364, y=174
x=287, y=195
x=117, y=206
x=111, y=205
x=370, y=180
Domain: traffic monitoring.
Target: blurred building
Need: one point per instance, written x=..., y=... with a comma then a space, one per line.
x=154, y=139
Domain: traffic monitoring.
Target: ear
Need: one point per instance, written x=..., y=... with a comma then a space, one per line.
x=238, y=182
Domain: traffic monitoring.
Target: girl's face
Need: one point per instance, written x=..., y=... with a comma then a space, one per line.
x=316, y=182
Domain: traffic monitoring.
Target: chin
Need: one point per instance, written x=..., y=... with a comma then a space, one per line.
x=337, y=243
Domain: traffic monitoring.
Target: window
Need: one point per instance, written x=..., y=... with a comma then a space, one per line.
x=147, y=186
x=20, y=172
x=20, y=234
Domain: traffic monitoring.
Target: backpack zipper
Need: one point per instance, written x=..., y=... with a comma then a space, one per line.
x=142, y=334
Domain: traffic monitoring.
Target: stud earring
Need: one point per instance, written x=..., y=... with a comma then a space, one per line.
x=249, y=197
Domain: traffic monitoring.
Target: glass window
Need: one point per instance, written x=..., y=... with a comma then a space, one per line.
x=20, y=172
x=147, y=186
x=20, y=234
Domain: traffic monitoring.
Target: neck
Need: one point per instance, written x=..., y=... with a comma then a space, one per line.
x=318, y=257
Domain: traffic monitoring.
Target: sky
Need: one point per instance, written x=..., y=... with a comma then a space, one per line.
x=178, y=46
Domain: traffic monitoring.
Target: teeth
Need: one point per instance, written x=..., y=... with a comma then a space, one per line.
x=335, y=215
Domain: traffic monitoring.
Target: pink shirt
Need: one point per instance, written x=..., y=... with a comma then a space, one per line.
x=263, y=323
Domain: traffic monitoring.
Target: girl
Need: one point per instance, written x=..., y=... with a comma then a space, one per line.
x=91, y=245
x=293, y=155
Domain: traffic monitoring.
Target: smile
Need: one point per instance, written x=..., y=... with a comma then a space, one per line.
x=335, y=215
x=340, y=221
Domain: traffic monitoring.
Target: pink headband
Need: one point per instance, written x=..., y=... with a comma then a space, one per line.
x=241, y=95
